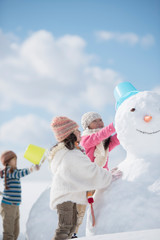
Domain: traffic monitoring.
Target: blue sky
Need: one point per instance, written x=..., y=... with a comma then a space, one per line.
x=65, y=57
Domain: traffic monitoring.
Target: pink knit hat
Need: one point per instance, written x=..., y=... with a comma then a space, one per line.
x=63, y=127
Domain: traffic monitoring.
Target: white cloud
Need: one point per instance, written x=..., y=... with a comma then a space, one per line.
x=130, y=38
x=157, y=89
x=6, y=45
x=98, y=92
x=147, y=40
x=52, y=74
x=23, y=130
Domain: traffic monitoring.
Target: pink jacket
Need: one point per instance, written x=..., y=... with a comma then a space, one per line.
x=89, y=142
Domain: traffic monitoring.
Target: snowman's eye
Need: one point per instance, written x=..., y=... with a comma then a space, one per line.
x=132, y=109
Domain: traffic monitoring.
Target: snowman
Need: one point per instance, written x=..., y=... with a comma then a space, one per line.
x=133, y=202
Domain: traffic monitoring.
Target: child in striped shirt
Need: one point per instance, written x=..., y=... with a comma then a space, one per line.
x=12, y=193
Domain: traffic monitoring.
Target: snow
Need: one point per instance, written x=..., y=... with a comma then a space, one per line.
x=137, y=235
x=46, y=219
x=129, y=124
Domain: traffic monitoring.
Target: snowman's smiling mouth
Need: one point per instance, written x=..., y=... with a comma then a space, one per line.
x=147, y=132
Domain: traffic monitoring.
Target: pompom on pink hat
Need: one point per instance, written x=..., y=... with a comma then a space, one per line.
x=63, y=127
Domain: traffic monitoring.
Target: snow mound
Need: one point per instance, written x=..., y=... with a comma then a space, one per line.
x=42, y=220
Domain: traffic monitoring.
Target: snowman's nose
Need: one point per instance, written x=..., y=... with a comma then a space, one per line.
x=147, y=118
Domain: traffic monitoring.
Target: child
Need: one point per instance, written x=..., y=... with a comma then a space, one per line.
x=73, y=175
x=12, y=194
x=97, y=142
x=96, y=139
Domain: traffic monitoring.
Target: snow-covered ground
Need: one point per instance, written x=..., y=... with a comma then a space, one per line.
x=137, y=235
x=38, y=192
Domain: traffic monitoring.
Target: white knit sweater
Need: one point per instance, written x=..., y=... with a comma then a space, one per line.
x=73, y=175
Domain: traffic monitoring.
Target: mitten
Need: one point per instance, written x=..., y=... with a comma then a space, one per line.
x=34, y=168
x=90, y=196
x=114, y=169
x=116, y=174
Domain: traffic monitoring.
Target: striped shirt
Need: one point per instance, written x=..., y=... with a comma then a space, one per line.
x=12, y=195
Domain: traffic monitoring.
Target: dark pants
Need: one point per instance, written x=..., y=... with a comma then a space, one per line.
x=67, y=213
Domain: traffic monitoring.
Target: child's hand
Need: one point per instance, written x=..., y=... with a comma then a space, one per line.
x=114, y=169
x=37, y=167
x=1, y=193
x=116, y=174
x=34, y=168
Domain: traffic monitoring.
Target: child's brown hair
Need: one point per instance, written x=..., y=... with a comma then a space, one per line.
x=5, y=159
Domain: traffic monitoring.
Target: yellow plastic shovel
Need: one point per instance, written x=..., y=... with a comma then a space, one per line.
x=35, y=154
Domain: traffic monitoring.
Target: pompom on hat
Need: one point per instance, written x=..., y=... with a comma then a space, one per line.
x=89, y=117
x=63, y=127
x=7, y=156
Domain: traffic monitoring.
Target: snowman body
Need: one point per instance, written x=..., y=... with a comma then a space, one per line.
x=133, y=202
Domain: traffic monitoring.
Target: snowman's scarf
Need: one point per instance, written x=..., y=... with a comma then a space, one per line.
x=100, y=153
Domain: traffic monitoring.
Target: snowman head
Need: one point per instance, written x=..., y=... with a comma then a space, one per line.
x=137, y=123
